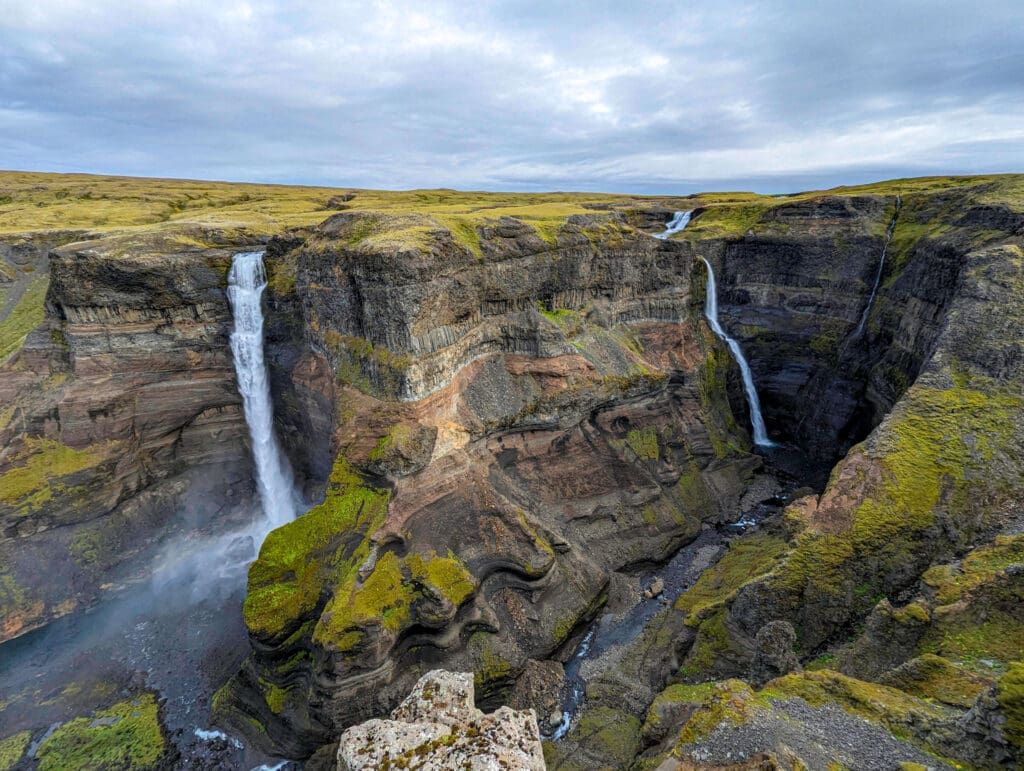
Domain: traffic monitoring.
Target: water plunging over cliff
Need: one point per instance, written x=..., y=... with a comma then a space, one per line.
x=881, y=266
x=246, y=283
x=711, y=313
x=675, y=225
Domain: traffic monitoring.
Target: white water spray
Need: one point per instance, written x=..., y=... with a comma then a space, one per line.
x=881, y=266
x=675, y=225
x=246, y=283
x=711, y=313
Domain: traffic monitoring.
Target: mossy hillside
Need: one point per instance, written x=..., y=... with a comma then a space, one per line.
x=984, y=629
x=12, y=748
x=323, y=547
x=387, y=597
x=26, y=315
x=747, y=559
x=38, y=468
x=614, y=734
x=935, y=454
x=125, y=737
x=952, y=582
x=891, y=707
x=939, y=679
x=1010, y=695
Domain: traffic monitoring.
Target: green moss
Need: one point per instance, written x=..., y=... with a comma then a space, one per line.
x=274, y=695
x=387, y=596
x=39, y=467
x=323, y=547
x=614, y=734
x=26, y=315
x=674, y=694
x=1010, y=695
x=727, y=220
x=373, y=369
x=936, y=448
x=447, y=575
x=731, y=702
x=977, y=568
x=12, y=748
x=933, y=677
x=491, y=665
x=878, y=703
x=644, y=443
x=747, y=559
x=132, y=741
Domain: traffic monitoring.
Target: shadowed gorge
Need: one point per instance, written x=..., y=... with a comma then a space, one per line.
x=519, y=432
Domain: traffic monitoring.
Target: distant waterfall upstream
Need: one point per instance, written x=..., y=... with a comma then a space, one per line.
x=711, y=313
x=675, y=225
x=246, y=282
x=881, y=267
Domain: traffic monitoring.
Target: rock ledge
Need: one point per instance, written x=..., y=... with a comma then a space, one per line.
x=438, y=727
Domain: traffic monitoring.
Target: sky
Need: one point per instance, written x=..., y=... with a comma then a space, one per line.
x=644, y=97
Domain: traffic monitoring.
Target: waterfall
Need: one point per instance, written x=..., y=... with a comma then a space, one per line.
x=711, y=313
x=675, y=225
x=246, y=282
x=881, y=266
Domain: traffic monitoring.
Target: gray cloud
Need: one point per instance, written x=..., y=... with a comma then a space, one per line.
x=661, y=97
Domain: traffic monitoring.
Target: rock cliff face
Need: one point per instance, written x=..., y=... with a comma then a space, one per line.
x=528, y=421
x=121, y=425
x=507, y=419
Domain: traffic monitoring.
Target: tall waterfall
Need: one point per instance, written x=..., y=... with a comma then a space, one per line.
x=676, y=224
x=711, y=313
x=246, y=282
x=881, y=266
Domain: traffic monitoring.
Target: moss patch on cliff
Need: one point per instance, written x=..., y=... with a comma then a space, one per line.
x=388, y=594
x=125, y=737
x=12, y=748
x=26, y=315
x=978, y=567
x=934, y=677
x=1010, y=695
x=877, y=703
x=321, y=547
x=38, y=469
x=933, y=452
x=747, y=559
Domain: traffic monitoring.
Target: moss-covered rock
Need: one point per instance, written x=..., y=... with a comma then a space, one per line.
x=12, y=748
x=125, y=736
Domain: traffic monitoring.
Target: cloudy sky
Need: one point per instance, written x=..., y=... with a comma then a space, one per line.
x=647, y=97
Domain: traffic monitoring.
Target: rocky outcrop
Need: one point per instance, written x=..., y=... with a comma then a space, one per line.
x=438, y=727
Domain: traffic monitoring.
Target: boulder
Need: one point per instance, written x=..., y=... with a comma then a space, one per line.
x=773, y=652
x=438, y=727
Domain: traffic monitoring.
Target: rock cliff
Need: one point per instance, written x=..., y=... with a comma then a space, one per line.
x=511, y=414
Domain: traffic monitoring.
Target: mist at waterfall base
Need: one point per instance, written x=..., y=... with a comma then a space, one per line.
x=180, y=632
x=207, y=567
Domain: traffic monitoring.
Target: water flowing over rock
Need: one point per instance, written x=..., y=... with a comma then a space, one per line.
x=711, y=313
x=437, y=727
x=246, y=282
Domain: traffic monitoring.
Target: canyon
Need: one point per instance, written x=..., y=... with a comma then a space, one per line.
x=507, y=416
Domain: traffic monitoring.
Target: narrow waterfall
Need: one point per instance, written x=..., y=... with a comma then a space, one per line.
x=246, y=282
x=881, y=267
x=675, y=225
x=711, y=313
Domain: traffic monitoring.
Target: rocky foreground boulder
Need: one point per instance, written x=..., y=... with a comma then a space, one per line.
x=437, y=727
